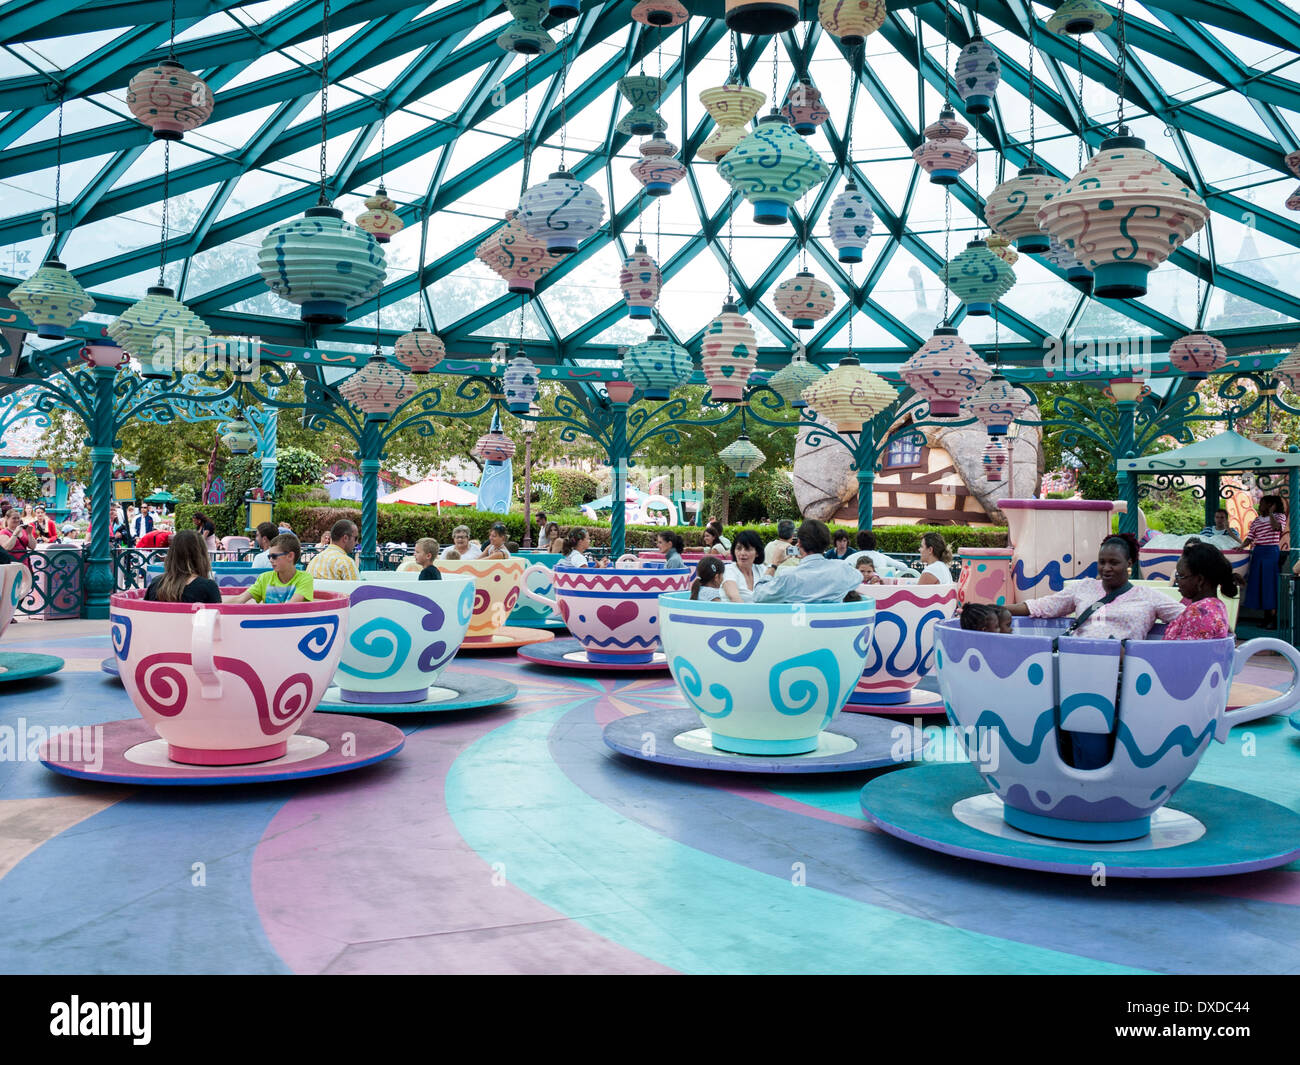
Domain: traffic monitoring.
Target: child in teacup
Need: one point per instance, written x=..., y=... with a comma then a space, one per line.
x=707, y=586
x=985, y=617
x=867, y=568
x=285, y=583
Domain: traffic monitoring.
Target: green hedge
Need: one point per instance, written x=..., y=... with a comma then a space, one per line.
x=567, y=488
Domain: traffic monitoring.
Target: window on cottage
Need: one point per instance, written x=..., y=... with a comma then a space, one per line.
x=902, y=453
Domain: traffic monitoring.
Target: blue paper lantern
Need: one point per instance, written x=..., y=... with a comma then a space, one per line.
x=561, y=211
x=851, y=222
x=323, y=264
x=656, y=366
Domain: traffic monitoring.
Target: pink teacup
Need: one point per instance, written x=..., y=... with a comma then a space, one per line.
x=614, y=612
x=226, y=685
x=15, y=586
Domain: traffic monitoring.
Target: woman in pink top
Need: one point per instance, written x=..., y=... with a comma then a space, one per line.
x=1200, y=575
x=1114, y=608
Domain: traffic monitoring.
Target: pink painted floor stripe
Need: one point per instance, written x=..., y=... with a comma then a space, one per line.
x=1277, y=885
x=340, y=891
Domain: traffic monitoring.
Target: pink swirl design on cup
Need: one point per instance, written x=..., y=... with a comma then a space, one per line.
x=292, y=699
x=163, y=687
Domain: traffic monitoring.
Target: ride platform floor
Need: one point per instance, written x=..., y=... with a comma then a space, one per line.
x=512, y=840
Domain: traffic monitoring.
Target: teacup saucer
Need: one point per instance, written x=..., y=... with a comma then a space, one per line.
x=504, y=639
x=675, y=737
x=922, y=700
x=455, y=690
x=20, y=665
x=947, y=807
x=569, y=654
x=130, y=752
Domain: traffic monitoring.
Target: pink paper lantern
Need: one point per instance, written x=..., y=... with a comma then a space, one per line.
x=728, y=354
x=804, y=300
x=1293, y=201
x=1293, y=163
x=658, y=169
x=377, y=389
x=946, y=371
x=169, y=100
x=804, y=109
x=380, y=218
x=945, y=153
x=520, y=259
x=662, y=13
x=494, y=447
x=996, y=404
x=419, y=350
x=1012, y=208
x=641, y=283
x=995, y=460
x=1198, y=355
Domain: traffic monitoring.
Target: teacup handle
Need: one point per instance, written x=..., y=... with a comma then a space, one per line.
x=537, y=597
x=1279, y=703
x=26, y=581
x=202, y=650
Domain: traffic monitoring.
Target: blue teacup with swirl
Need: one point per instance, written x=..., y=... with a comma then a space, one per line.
x=765, y=678
x=402, y=633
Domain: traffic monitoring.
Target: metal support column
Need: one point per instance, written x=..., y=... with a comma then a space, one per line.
x=369, y=458
x=99, y=580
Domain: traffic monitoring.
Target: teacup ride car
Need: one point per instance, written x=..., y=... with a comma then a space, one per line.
x=1085, y=748
x=528, y=613
x=1157, y=563
x=767, y=682
x=15, y=586
x=498, y=584
x=225, y=695
x=231, y=577
x=612, y=613
x=402, y=635
x=902, y=649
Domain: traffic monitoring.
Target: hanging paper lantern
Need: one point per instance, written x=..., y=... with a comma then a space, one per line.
x=1012, y=208
x=1079, y=16
x=380, y=219
x=772, y=168
x=169, y=100
x=521, y=382
x=977, y=75
x=160, y=332
x=1198, y=355
x=656, y=366
x=52, y=299
x=996, y=404
x=851, y=222
x=563, y=10
x=978, y=278
x=494, y=446
x=995, y=460
x=561, y=211
x=762, y=17
x=1293, y=201
x=804, y=109
x=794, y=378
x=1076, y=273
x=377, y=389
x=520, y=259
x=322, y=263
x=1293, y=163
x=1123, y=214
x=663, y=13
x=1001, y=247
x=849, y=395
x=945, y=154
x=641, y=282
x=419, y=350
x=946, y=372
x=1274, y=441
x=742, y=456
x=728, y=354
x=804, y=300
x=658, y=169
x=730, y=106
x=525, y=35
x=239, y=436
x=643, y=93
x=852, y=21
x=1288, y=370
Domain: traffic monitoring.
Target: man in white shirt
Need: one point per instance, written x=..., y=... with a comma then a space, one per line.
x=817, y=579
x=782, y=548
x=266, y=532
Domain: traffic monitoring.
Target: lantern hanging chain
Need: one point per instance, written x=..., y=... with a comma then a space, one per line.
x=1121, y=64
x=732, y=72
x=659, y=224
x=1198, y=279
x=564, y=97
x=523, y=300
x=1083, y=111
x=523, y=136
x=852, y=291
x=58, y=173
x=975, y=19
x=979, y=205
x=947, y=249
x=731, y=263
x=171, y=40
x=997, y=338
x=379, y=299
x=419, y=280
x=776, y=47
x=162, y=244
x=324, y=97
x=383, y=138
x=1033, y=86
x=947, y=43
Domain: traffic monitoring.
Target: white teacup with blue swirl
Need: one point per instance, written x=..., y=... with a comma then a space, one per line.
x=765, y=678
x=402, y=633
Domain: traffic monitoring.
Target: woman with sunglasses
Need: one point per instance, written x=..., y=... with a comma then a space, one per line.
x=1201, y=574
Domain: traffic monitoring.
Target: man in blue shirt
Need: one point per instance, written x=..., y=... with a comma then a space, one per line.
x=816, y=579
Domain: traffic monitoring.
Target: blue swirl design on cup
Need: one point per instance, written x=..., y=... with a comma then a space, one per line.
x=736, y=638
x=315, y=643
x=465, y=604
x=799, y=695
x=120, y=633
x=688, y=678
x=379, y=638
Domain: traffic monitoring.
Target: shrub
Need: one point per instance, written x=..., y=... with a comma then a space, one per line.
x=1179, y=515
x=297, y=466
x=565, y=487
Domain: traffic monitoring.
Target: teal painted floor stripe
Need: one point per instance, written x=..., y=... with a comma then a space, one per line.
x=678, y=906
